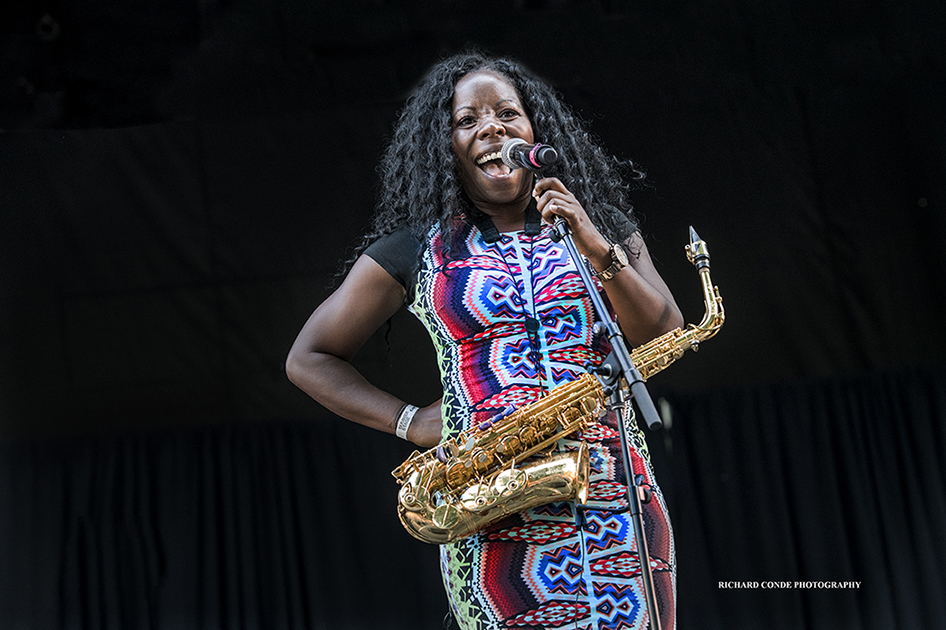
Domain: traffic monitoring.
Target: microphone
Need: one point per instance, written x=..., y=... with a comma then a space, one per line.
x=516, y=153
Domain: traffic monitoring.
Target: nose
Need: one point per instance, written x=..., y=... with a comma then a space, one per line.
x=491, y=126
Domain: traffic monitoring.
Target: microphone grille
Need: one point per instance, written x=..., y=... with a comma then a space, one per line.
x=506, y=152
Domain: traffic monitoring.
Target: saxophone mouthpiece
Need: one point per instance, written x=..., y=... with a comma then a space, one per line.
x=694, y=237
x=697, y=251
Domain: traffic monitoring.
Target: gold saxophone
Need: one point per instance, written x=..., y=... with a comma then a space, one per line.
x=488, y=472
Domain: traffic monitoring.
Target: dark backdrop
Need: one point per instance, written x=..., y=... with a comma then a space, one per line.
x=179, y=180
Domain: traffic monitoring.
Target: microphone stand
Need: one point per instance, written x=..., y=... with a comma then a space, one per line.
x=618, y=366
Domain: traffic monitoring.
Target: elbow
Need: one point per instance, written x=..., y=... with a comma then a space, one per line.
x=670, y=319
x=307, y=369
x=676, y=321
x=294, y=368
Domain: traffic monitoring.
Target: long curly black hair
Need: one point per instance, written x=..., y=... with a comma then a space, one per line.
x=418, y=191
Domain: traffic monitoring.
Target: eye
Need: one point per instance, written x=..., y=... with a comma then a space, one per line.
x=508, y=113
x=464, y=121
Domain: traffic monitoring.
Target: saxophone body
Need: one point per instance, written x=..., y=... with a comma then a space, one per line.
x=484, y=474
x=507, y=465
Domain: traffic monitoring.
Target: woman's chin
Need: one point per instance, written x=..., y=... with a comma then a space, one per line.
x=501, y=189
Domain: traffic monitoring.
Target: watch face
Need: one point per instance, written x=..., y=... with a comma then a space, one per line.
x=619, y=254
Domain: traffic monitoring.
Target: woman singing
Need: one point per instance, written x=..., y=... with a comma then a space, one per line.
x=463, y=242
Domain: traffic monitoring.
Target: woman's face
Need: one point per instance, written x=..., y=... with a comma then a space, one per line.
x=487, y=112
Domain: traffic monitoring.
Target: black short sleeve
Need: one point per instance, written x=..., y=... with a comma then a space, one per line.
x=397, y=253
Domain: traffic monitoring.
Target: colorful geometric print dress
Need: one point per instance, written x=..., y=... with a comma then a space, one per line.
x=510, y=320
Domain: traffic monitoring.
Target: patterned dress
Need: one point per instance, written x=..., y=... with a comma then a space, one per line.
x=510, y=320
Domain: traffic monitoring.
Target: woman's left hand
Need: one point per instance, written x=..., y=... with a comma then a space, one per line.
x=554, y=200
x=641, y=300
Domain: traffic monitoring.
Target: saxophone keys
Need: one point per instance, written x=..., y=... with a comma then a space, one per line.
x=527, y=436
x=548, y=425
x=510, y=481
x=482, y=460
x=413, y=499
x=446, y=516
x=479, y=505
x=479, y=497
x=459, y=473
x=509, y=445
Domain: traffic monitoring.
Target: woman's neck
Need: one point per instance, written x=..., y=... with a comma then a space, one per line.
x=507, y=217
x=530, y=223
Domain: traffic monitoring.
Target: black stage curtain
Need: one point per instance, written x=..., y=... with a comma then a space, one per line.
x=837, y=480
x=292, y=525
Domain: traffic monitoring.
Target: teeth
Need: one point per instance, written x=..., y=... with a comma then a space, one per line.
x=489, y=156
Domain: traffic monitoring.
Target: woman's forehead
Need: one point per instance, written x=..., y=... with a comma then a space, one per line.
x=480, y=82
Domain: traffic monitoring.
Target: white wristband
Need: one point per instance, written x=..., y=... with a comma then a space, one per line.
x=404, y=420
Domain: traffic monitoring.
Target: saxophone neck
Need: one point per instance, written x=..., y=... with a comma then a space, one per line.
x=698, y=254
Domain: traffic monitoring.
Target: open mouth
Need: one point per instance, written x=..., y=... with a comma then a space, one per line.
x=492, y=164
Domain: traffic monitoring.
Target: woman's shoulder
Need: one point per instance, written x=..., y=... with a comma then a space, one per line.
x=397, y=252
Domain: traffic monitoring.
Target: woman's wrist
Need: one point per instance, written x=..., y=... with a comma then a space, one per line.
x=403, y=420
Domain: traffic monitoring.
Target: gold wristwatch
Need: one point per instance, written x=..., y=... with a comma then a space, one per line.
x=618, y=262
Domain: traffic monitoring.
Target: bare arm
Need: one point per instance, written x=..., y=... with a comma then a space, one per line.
x=643, y=303
x=640, y=297
x=319, y=361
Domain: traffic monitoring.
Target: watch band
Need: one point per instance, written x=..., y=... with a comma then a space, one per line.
x=617, y=264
